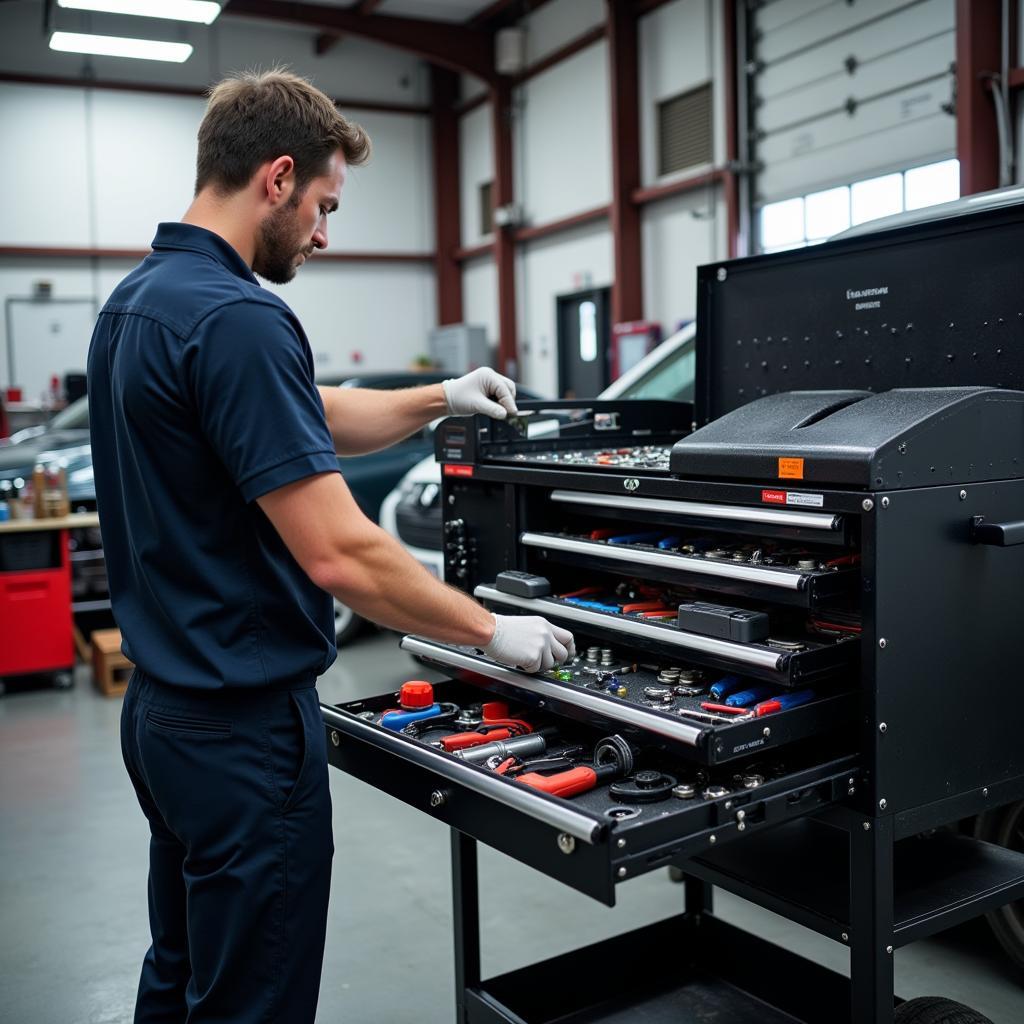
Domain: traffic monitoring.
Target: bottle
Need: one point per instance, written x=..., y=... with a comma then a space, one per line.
x=39, y=492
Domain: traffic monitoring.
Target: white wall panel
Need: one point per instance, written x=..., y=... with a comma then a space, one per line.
x=680, y=49
x=387, y=204
x=563, y=141
x=547, y=268
x=480, y=296
x=476, y=166
x=382, y=312
x=46, y=174
x=144, y=155
x=679, y=235
x=558, y=23
x=470, y=87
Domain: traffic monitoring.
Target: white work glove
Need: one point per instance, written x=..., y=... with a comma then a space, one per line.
x=484, y=390
x=529, y=642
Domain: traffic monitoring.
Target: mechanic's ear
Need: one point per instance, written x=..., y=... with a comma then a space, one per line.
x=280, y=180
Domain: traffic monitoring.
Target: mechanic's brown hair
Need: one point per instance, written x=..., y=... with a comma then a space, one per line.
x=253, y=117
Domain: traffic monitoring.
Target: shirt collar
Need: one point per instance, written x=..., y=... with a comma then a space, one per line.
x=197, y=239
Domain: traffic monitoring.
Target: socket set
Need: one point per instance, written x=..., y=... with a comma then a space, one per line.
x=653, y=458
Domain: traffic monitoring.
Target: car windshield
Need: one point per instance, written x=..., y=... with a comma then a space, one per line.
x=671, y=378
x=74, y=417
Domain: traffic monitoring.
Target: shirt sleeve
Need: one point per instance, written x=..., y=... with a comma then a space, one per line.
x=249, y=372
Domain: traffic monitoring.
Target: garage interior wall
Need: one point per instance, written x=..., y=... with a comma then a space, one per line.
x=133, y=153
x=562, y=167
x=96, y=169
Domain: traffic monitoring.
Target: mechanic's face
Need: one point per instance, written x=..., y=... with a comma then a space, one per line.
x=288, y=235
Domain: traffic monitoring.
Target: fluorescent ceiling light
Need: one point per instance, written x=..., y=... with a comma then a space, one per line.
x=120, y=46
x=200, y=11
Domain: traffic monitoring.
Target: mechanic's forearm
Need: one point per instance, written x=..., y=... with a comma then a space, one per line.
x=385, y=584
x=362, y=420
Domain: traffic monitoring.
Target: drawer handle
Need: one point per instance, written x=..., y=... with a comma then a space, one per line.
x=1001, y=535
x=681, y=563
x=703, y=510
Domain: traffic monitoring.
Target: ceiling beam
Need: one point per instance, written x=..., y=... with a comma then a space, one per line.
x=452, y=46
x=326, y=41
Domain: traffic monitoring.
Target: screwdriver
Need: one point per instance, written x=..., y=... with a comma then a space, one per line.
x=534, y=743
x=725, y=686
x=744, y=698
x=785, y=701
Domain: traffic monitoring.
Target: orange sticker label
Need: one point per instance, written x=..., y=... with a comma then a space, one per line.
x=450, y=470
x=791, y=469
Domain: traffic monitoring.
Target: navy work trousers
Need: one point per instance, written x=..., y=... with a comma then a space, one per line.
x=234, y=784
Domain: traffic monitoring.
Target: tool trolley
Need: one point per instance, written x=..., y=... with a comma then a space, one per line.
x=795, y=607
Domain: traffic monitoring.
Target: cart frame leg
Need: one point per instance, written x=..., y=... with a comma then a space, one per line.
x=465, y=919
x=871, y=920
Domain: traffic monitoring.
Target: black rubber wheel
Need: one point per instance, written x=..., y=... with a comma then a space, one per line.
x=1005, y=826
x=933, y=1010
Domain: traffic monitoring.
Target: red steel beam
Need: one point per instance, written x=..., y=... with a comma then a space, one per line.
x=447, y=221
x=652, y=193
x=978, y=54
x=184, y=90
x=623, y=72
x=326, y=41
x=581, y=42
x=42, y=252
x=503, y=193
x=474, y=252
x=554, y=227
x=452, y=46
x=497, y=15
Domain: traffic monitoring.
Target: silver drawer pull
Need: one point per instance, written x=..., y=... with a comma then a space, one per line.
x=550, y=810
x=734, y=513
x=673, y=637
x=681, y=563
x=681, y=732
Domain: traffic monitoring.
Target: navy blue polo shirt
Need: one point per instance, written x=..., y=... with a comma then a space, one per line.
x=201, y=399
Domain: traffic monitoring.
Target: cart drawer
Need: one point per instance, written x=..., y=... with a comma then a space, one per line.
x=762, y=660
x=589, y=841
x=703, y=742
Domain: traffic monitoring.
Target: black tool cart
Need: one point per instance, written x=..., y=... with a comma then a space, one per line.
x=795, y=608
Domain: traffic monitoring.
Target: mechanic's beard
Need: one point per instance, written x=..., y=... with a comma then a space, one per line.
x=278, y=245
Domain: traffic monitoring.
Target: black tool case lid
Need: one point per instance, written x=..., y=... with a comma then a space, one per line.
x=908, y=437
x=937, y=304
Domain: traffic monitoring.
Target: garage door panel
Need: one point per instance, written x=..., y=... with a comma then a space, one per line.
x=826, y=23
x=867, y=46
x=831, y=93
x=780, y=14
x=931, y=136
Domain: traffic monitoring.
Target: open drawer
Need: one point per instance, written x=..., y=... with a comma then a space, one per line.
x=657, y=722
x=591, y=840
x=783, y=661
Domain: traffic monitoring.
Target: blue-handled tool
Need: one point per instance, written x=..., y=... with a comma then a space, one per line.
x=636, y=538
x=725, y=686
x=744, y=698
x=597, y=606
x=784, y=701
x=398, y=720
x=669, y=542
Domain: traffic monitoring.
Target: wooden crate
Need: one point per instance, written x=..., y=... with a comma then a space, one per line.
x=110, y=668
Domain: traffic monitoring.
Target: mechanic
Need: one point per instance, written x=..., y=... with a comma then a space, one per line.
x=226, y=528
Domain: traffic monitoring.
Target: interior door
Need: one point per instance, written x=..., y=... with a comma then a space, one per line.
x=584, y=330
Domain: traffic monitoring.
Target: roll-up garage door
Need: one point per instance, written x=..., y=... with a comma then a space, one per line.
x=844, y=89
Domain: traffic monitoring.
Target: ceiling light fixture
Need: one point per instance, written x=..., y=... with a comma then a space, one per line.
x=200, y=11
x=120, y=46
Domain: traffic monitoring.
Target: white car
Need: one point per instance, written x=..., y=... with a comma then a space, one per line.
x=412, y=511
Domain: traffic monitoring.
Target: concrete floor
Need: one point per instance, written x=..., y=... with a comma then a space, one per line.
x=73, y=848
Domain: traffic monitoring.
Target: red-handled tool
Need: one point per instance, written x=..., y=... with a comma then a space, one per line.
x=724, y=709
x=613, y=757
x=464, y=740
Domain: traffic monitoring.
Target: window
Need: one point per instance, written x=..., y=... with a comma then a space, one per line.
x=794, y=223
x=588, y=332
x=684, y=130
x=486, y=209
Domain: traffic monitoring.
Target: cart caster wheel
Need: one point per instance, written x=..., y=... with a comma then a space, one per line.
x=63, y=680
x=933, y=1010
